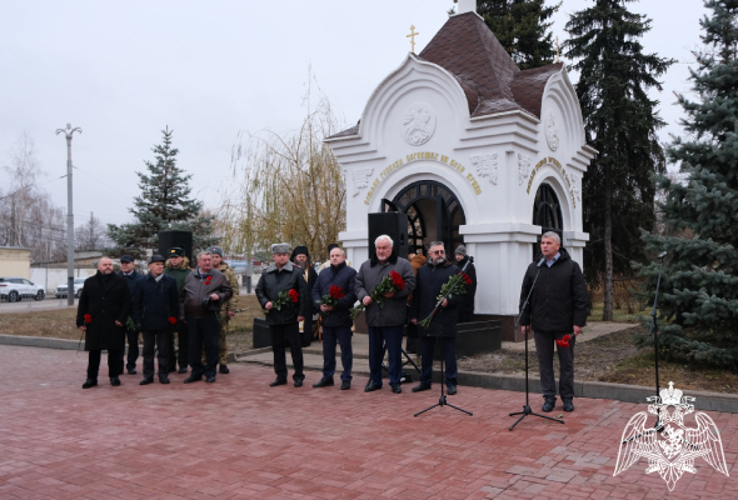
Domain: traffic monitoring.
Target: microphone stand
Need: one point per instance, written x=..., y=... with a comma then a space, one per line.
x=442, y=400
x=526, y=408
x=654, y=330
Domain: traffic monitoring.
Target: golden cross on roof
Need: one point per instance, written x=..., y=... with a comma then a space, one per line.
x=411, y=36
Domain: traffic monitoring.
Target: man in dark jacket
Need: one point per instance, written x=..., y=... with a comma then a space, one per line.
x=284, y=320
x=557, y=308
x=155, y=311
x=178, y=267
x=466, y=307
x=431, y=277
x=301, y=258
x=128, y=271
x=204, y=293
x=336, y=320
x=385, y=323
x=102, y=312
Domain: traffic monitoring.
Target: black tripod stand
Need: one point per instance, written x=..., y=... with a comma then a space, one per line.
x=442, y=400
x=526, y=408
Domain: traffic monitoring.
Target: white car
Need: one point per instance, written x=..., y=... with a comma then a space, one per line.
x=15, y=289
x=61, y=290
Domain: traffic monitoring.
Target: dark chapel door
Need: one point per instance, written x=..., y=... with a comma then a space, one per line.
x=433, y=213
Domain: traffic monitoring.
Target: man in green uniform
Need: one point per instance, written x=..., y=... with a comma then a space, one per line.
x=178, y=267
x=229, y=309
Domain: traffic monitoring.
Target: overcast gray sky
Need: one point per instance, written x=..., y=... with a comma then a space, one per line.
x=122, y=71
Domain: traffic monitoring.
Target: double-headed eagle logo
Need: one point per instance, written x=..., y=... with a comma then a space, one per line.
x=669, y=446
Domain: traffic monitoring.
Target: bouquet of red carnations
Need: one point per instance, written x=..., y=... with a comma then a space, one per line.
x=564, y=342
x=284, y=297
x=332, y=297
x=391, y=283
x=456, y=285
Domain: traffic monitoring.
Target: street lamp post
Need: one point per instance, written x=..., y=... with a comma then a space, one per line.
x=70, y=214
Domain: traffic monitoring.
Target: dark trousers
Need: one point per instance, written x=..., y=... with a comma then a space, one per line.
x=161, y=339
x=283, y=336
x=183, y=343
x=93, y=364
x=342, y=334
x=392, y=336
x=132, y=351
x=203, y=331
x=412, y=344
x=545, y=342
x=449, y=358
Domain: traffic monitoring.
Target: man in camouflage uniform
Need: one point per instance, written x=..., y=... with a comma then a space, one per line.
x=178, y=267
x=229, y=309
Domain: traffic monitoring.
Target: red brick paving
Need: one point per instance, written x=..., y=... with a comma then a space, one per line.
x=239, y=439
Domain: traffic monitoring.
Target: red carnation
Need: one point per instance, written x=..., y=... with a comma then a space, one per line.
x=467, y=279
x=294, y=295
x=88, y=318
x=397, y=280
x=336, y=292
x=172, y=320
x=208, y=280
x=564, y=342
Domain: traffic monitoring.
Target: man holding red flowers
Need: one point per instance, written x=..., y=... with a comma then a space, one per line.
x=385, y=317
x=155, y=312
x=283, y=292
x=204, y=293
x=333, y=296
x=557, y=308
x=102, y=312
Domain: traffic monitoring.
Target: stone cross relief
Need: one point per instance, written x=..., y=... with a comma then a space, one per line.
x=486, y=166
x=524, y=163
x=361, y=178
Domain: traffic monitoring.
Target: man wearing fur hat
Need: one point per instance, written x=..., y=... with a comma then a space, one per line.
x=178, y=267
x=283, y=319
x=229, y=307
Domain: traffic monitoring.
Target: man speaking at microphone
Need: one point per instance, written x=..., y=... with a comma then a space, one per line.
x=556, y=313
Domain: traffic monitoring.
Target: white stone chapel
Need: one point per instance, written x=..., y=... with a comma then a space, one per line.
x=474, y=151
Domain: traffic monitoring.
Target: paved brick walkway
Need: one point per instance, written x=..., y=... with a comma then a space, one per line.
x=238, y=438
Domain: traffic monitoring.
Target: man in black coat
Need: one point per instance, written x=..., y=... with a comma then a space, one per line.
x=557, y=308
x=336, y=320
x=284, y=322
x=155, y=312
x=428, y=282
x=466, y=307
x=102, y=312
x=202, y=298
x=128, y=271
x=301, y=258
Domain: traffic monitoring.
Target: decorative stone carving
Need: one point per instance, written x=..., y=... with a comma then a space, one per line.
x=524, y=163
x=486, y=166
x=576, y=189
x=361, y=178
x=552, y=131
x=419, y=124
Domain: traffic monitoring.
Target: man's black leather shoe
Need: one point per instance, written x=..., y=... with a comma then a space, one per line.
x=451, y=390
x=114, y=381
x=345, y=385
x=549, y=405
x=397, y=389
x=146, y=381
x=324, y=382
x=298, y=383
x=421, y=387
x=568, y=405
x=90, y=382
x=278, y=381
x=191, y=379
x=163, y=379
x=224, y=369
x=132, y=371
x=371, y=386
x=210, y=379
x=183, y=370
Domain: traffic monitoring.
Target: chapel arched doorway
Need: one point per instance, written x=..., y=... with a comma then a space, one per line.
x=547, y=213
x=433, y=213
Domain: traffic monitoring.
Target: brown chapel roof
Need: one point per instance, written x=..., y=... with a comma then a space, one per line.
x=490, y=79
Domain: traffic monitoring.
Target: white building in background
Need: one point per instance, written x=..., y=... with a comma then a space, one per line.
x=475, y=151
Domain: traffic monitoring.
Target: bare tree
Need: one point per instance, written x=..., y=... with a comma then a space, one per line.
x=91, y=235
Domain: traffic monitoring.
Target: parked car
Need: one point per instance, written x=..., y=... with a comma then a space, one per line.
x=61, y=290
x=15, y=289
